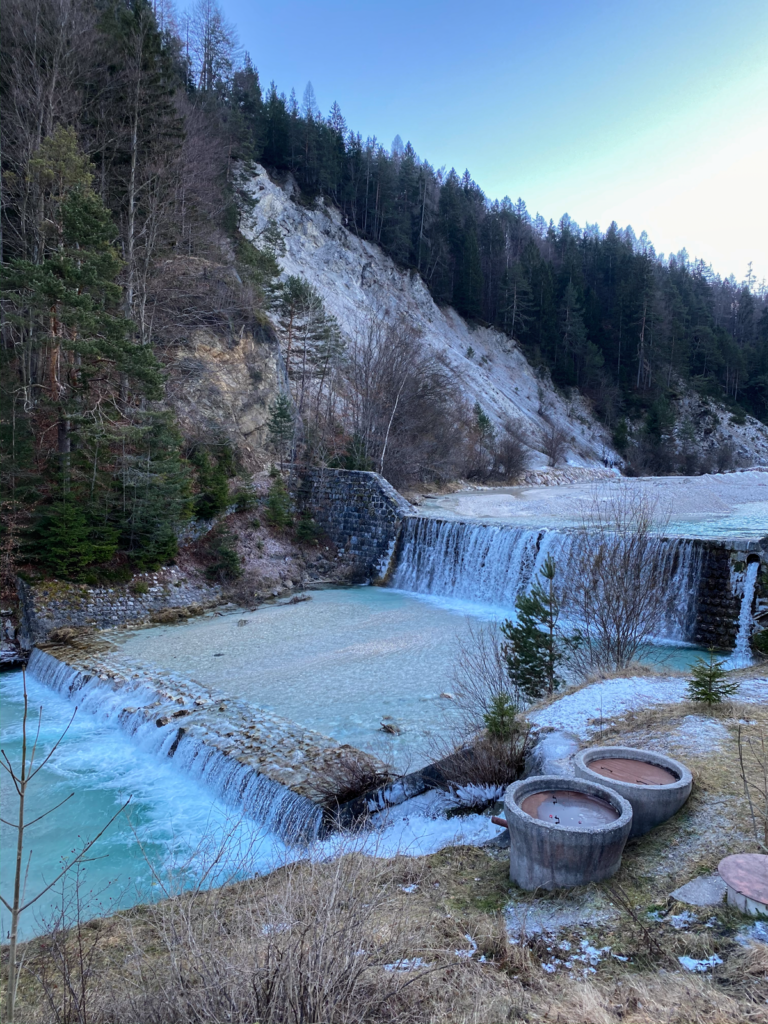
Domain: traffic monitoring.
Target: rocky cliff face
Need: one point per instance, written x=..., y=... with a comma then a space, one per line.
x=224, y=367
x=224, y=384
x=356, y=279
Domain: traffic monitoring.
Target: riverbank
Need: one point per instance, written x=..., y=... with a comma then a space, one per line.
x=444, y=936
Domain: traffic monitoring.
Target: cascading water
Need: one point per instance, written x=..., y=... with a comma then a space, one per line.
x=742, y=656
x=491, y=564
x=283, y=812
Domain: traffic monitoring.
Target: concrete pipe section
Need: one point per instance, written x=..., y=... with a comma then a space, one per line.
x=655, y=785
x=564, y=832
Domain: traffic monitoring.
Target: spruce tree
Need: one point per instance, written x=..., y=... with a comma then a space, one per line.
x=278, y=512
x=280, y=427
x=62, y=540
x=499, y=719
x=709, y=684
x=535, y=644
x=213, y=481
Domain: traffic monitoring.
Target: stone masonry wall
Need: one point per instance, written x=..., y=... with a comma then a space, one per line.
x=54, y=604
x=360, y=512
x=718, y=606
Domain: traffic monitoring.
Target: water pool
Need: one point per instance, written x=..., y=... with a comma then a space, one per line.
x=179, y=822
x=343, y=663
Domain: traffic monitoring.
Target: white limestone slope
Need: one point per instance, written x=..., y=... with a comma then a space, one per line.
x=356, y=278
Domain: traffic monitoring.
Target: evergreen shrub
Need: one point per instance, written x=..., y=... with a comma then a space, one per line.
x=278, y=511
x=709, y=683
x=500, y=717
x=307, y=529
x=226, y=566
x=535, y=644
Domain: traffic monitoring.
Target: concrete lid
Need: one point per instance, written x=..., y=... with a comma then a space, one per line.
x=684, y=777
x=747, y=873
x=518, y=791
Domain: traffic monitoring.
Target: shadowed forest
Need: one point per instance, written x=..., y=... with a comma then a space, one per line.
x=127, y=134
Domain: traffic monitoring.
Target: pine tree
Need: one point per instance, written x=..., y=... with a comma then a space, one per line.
x=66, y=306
x=62, y=540
x=213, y=481
x=158, y=499
x=484, y=424
x=709, y=684
x=278, y=512
x=499, y=719
x=536, y=646
x=280, y=427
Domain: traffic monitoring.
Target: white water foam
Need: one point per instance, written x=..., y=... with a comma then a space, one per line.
x=742, y=655
x=173, y=833
x=240, y=786
x=179, y=834
x=490, y=564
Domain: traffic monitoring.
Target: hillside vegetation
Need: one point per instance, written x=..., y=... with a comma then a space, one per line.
x=159, y=342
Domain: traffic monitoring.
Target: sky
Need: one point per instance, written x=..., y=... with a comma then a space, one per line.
x=649, y=113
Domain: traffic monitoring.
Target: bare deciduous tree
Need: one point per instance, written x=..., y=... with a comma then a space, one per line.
x=401, y=403
x=554, y=441
x=20, y=778
x=513, y=448
x=480, y=675
x=753, y=764
x=613, y=594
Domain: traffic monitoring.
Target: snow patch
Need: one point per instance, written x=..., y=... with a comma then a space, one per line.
x=689, y=964
x=581, y=711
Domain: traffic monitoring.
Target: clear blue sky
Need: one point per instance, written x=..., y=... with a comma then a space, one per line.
x=650, y=112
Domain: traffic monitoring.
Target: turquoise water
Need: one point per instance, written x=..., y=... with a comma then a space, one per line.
x=169, y=836
x=342, y=663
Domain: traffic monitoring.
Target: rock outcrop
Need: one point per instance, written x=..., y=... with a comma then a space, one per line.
x=357, y=279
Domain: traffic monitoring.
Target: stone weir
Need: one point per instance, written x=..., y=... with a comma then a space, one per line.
x=703, y=583
x=726, y=586
x=286, y=777
x=360, y=512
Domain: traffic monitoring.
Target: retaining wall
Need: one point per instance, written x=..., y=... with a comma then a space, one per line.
x=721, y=588
x=54, y=603
x=360, y=512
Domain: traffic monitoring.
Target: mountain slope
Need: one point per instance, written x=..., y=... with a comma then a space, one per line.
x=356, y=278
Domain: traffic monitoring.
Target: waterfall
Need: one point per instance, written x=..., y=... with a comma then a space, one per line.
x=490, y=564
x=287, y=814
x=742, y=655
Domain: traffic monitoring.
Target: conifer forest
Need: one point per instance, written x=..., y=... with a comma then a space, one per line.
x=127, y=134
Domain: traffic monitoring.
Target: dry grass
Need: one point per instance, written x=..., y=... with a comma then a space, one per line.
x=310, y=942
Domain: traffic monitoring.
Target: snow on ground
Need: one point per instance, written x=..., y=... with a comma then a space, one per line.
x=414, y=828
x=419, y=826
x=580, y=711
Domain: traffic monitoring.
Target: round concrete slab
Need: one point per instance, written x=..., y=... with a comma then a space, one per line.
x=651, y=804
x=550, y=855
x=746, y=875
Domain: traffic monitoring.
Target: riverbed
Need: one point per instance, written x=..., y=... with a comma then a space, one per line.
x=712, y=506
